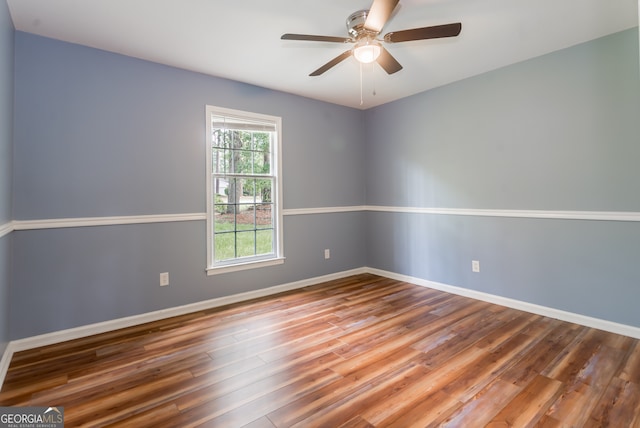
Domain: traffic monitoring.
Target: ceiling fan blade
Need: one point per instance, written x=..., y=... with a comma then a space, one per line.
x=337, y=60
x=379, y=14
x=388, y=62
x=435, y=32
x=312, y=38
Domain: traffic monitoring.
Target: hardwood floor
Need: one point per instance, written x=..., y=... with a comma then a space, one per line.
x=357, y=352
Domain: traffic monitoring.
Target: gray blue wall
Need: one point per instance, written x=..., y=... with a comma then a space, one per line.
x=559, y=132
x=99, y=134
x=6, y=138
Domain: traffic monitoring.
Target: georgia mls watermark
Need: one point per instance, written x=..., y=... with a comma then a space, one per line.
x=31, y=417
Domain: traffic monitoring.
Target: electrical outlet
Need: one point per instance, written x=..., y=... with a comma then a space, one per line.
x=164, y=279
x=475, y=266
x=327, y=253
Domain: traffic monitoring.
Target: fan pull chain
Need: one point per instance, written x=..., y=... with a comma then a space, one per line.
x=373, y=77
x=361, y=100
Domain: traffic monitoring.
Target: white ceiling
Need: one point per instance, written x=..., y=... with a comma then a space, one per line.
x=240, y=39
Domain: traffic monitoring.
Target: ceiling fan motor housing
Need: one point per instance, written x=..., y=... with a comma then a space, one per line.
x=355, y=24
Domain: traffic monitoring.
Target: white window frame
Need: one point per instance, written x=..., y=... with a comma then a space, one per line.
x=244, y=263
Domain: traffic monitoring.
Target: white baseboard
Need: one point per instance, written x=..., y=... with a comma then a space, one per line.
x=5, y=361
x=623, y=329
x=6, y=228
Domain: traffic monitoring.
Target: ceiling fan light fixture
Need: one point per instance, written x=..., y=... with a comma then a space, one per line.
x=366, y=51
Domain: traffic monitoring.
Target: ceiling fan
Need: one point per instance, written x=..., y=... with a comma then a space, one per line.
x=364, y=26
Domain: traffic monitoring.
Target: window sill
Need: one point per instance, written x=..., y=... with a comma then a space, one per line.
x=244, y=266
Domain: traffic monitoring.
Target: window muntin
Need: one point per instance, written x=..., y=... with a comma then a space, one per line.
x=243, y=209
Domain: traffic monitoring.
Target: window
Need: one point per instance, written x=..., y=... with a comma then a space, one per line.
x=243, y=190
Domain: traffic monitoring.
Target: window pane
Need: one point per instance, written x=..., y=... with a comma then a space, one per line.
x=217, y=138
x=246, y=243
x=248, y=190
x=251, y=169
x=264, y=239
x=224, y=218
x=218, y=161
x=220, y=189
x=260, y=162
x=263, y=191
x=261, y=156
x=245, y=219
x=226, y=161
x=244, y=140
x=234, y=191
x=264, y=216
x=224, y=246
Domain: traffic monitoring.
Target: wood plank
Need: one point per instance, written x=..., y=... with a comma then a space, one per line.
x=425, y=412
x=630, y=370
x=529, y=405
x=152, y=417
x=619, y=406
x=480, y=409
x=581, y=395
x=541, y=356
x=484, y=369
